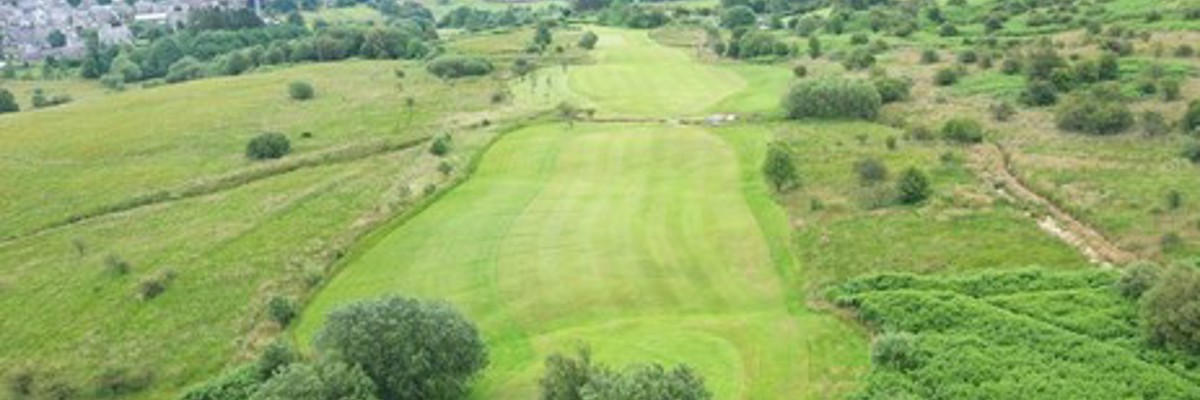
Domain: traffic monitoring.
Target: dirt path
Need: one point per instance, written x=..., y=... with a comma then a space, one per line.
x=991, y=162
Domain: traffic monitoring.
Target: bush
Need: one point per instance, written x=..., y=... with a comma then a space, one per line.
x=282, y=310
x=945, y=77
x=1039, y=93
x=1002, y=111
x=968, y=56
x=1184, y=51
x=1170, y=89
x=896, y=351
x=1191, y=152
x=268, y=146
x=277, y=356
x=1171, y=309
x=186, y=69
x=858, y=59
x=575, y=378
x=893, y=89
x=1010, y=66
x=325, y=379
x=1094, y=116
x=440, y=146
x=859, y=38
x=115, y=265
x=301, y=90
x=913, y=186
x=779, y=168
x=947, y=30
x=870, y=171
x=738, y=17
x=800, y=71
x=119, y=381
x=153, y=285
x=20, y=382
x=1137, y=279
x=1153, y=123
x=456, y=66
x=929, y=56
x=832, y=98
x=588, y=40
x=962, y=130
x=391, y=339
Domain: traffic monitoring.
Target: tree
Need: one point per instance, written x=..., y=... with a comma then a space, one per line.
x=8, y=103
x=779, y=168
x=1171, y=309
x=125, y=67
x=566, y=376
x=268, y=146
x=832, y=98
x=300, y=90
x=323, y=380
x=411, y=349
x=814, y=46
x=542, y=37
x=1138, y=278
x=738, y=17
x=588, y=40
x=913, y=186
x=56, y=39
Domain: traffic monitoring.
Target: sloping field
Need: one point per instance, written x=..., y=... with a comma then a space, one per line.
x=633, y=76
x=636, y=239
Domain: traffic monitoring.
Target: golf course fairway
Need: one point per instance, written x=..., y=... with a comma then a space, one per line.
x=647, y=242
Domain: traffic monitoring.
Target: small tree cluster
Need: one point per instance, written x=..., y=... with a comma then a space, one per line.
x=832, y=98
x=577, y=378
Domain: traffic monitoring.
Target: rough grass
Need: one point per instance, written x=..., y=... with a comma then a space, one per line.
x=102, y=150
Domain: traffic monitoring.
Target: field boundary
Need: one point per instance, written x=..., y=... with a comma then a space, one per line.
x=226, y=182
x=993, y=164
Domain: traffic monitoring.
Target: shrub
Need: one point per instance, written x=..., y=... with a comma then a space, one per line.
x=282, y=310
x=1010, y=66
x=1137, y=279
x=945, y=77
x=240, y=383
x=646, y=382
x=186, y=69
x=153, y=285
x=929, y=56
x=737, y=17
x=8, y=103
x=1002, y=110
x=920, y=133
x=1191, y=119
x=1174, y=200
x=440, y=146
x=120, y=381
x=1039, y=93
x=896, y=351
x=324, y=379
x=968, y=56
x=779, y=168
x=301, y=90
x=1191, y=151
x=456, y=66
x=859, y=38
x=115, y=265
x=1094, y=116
x=1153, y=123
x=277, y=356
x=893, y=89
x=962, y=130
x=913, y=186
x=390, y=338
x=1110, y=67
x=870, y=171
x=832, y=98
x=800, y=71
x=588, y=40
x=269, y=145
x=1171, y=309
x=1184, y=51
x=860, y=58
x=947, y=29
x=1170, y=89
x=20, y=382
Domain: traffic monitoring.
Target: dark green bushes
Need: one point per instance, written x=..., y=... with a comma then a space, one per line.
x=579, y=377
x=1191, y=119
x=1094, y=116
x=779, y=168
x=457, y=66
x=1171, y=309
x=893, y=89
x=588, y=40
x=301, y=91
x=962, y=130
x=268, y=146
x=832, y=98
x=8, y=103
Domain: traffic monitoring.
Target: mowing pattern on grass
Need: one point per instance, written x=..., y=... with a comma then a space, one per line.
x=1028, y=334
x=633, y=238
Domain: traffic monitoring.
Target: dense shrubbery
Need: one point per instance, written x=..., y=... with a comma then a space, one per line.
x=579, y=377
x=1094, y=115
x=457, y=66
x=962, y=130
x=998, y=334
x=1171, y=309
x=757, y=44
x=300, y=90
x=268, y=146
x=893, y=89
x=832, y=98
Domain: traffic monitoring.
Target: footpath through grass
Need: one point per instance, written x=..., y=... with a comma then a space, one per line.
x=648, y=242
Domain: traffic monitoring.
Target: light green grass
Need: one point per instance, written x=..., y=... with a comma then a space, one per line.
x=634, y=76
x=634, y=238
x=104, y=149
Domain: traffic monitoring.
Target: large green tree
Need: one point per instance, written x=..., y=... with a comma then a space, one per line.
x=779, y=168
x=411, y=349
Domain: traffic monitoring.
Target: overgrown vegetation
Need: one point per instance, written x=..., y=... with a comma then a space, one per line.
x=832, y=98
